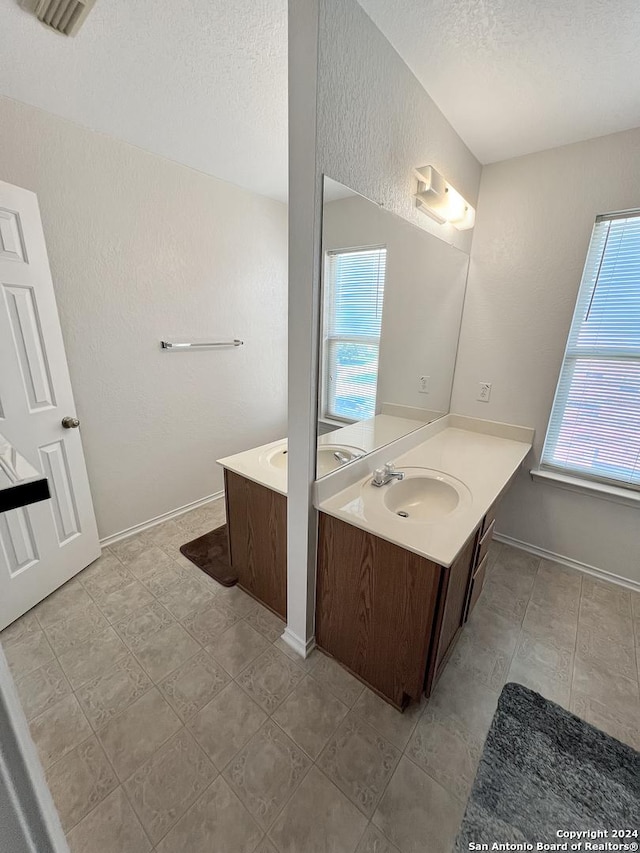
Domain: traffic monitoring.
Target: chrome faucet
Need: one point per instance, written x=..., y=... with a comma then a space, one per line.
x=382, y=476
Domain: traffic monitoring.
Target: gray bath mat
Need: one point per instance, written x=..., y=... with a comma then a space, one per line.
x=544, y=770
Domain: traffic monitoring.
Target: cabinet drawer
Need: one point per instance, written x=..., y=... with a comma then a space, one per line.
x=484, y=543
x=476, y=585
x=489, y=518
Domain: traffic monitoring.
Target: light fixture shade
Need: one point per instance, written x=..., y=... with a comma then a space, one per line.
x=431, y=196
x=442, y=202
x=468, y=221
x=433, y=184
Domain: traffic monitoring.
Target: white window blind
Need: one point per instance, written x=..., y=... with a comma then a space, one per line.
x=354, y=293
x=594, y=429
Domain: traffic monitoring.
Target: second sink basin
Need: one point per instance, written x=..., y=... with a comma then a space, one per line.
x=330, y=457
x=424, y=495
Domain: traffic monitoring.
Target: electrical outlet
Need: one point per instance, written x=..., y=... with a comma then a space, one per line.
x=424, y=384
x=484, y=392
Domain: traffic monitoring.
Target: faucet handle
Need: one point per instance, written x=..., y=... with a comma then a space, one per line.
x=389, y=467
x=378, y=476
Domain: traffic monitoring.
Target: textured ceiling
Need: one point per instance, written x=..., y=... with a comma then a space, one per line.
x=515, y=76
x=203, y=82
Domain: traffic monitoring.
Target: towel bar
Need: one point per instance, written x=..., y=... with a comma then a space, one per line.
x=197, y=344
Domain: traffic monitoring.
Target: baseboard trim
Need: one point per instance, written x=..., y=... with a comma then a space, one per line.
x=567, y=561
x=298, y=644
x=166, y=516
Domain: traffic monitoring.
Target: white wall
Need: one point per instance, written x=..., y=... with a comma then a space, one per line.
x=535, y=217
x=357, y=114
x=376, y=123
x=200, y=82
x=423, y=297
x=143, y=249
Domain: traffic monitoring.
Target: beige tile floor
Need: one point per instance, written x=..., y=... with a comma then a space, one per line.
x=170, y=716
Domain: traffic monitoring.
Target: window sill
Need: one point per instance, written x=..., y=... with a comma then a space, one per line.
x=334, y=424
x=588, y=487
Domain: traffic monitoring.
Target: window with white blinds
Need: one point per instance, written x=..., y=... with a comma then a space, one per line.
x=594, y=430
x=353, y=297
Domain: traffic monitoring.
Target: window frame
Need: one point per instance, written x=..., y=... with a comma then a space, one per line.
x=573, y=353
x=326, y=340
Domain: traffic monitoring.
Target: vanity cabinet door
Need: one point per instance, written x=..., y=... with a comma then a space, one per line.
x=257, y=525
x=375, y=608
x=477, y=584
x=455, y=588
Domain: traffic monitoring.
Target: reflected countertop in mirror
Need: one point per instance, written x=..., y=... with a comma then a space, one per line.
x=392, y=298
x=371, y=433
x=267, y=464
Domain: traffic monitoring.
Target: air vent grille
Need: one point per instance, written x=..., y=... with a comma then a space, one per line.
x=65, y=16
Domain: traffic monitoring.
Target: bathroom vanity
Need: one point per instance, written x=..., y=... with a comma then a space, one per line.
x=391, y=616
x=401, y=566
x=256, y=501
x=257, y=531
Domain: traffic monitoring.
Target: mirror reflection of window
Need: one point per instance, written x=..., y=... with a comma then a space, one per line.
x=354, y=294
x=391, y=302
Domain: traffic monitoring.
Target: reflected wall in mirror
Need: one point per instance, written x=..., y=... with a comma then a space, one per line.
x=392, y=298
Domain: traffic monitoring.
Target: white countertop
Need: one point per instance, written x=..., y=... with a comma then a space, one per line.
x=366, y=436
x=253, y=465
x=483, y=462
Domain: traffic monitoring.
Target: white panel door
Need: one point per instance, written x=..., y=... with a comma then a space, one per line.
x=44, y=544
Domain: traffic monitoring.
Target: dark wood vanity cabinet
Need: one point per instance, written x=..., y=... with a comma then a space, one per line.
x=257, y=529
x=376, y=608
x=390, y=616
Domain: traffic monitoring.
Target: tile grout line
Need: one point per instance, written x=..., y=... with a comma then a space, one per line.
x=291, y=795
x=128, y=799
x=189, y=807
x=183, y=728
x=520, y=632
x=575, y=647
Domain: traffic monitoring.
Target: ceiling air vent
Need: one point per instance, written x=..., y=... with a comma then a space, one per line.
x=64, y=16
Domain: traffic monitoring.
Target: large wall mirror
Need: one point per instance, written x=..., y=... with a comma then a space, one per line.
x=392, y=298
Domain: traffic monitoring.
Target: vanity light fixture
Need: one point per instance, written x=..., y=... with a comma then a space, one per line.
x=442, y=202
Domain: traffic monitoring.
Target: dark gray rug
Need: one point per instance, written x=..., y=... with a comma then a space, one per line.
x=544, y=770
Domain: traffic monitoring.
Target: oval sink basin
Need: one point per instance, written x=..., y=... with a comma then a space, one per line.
x=330, y=457
x=277, y=457
x=424, y=495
